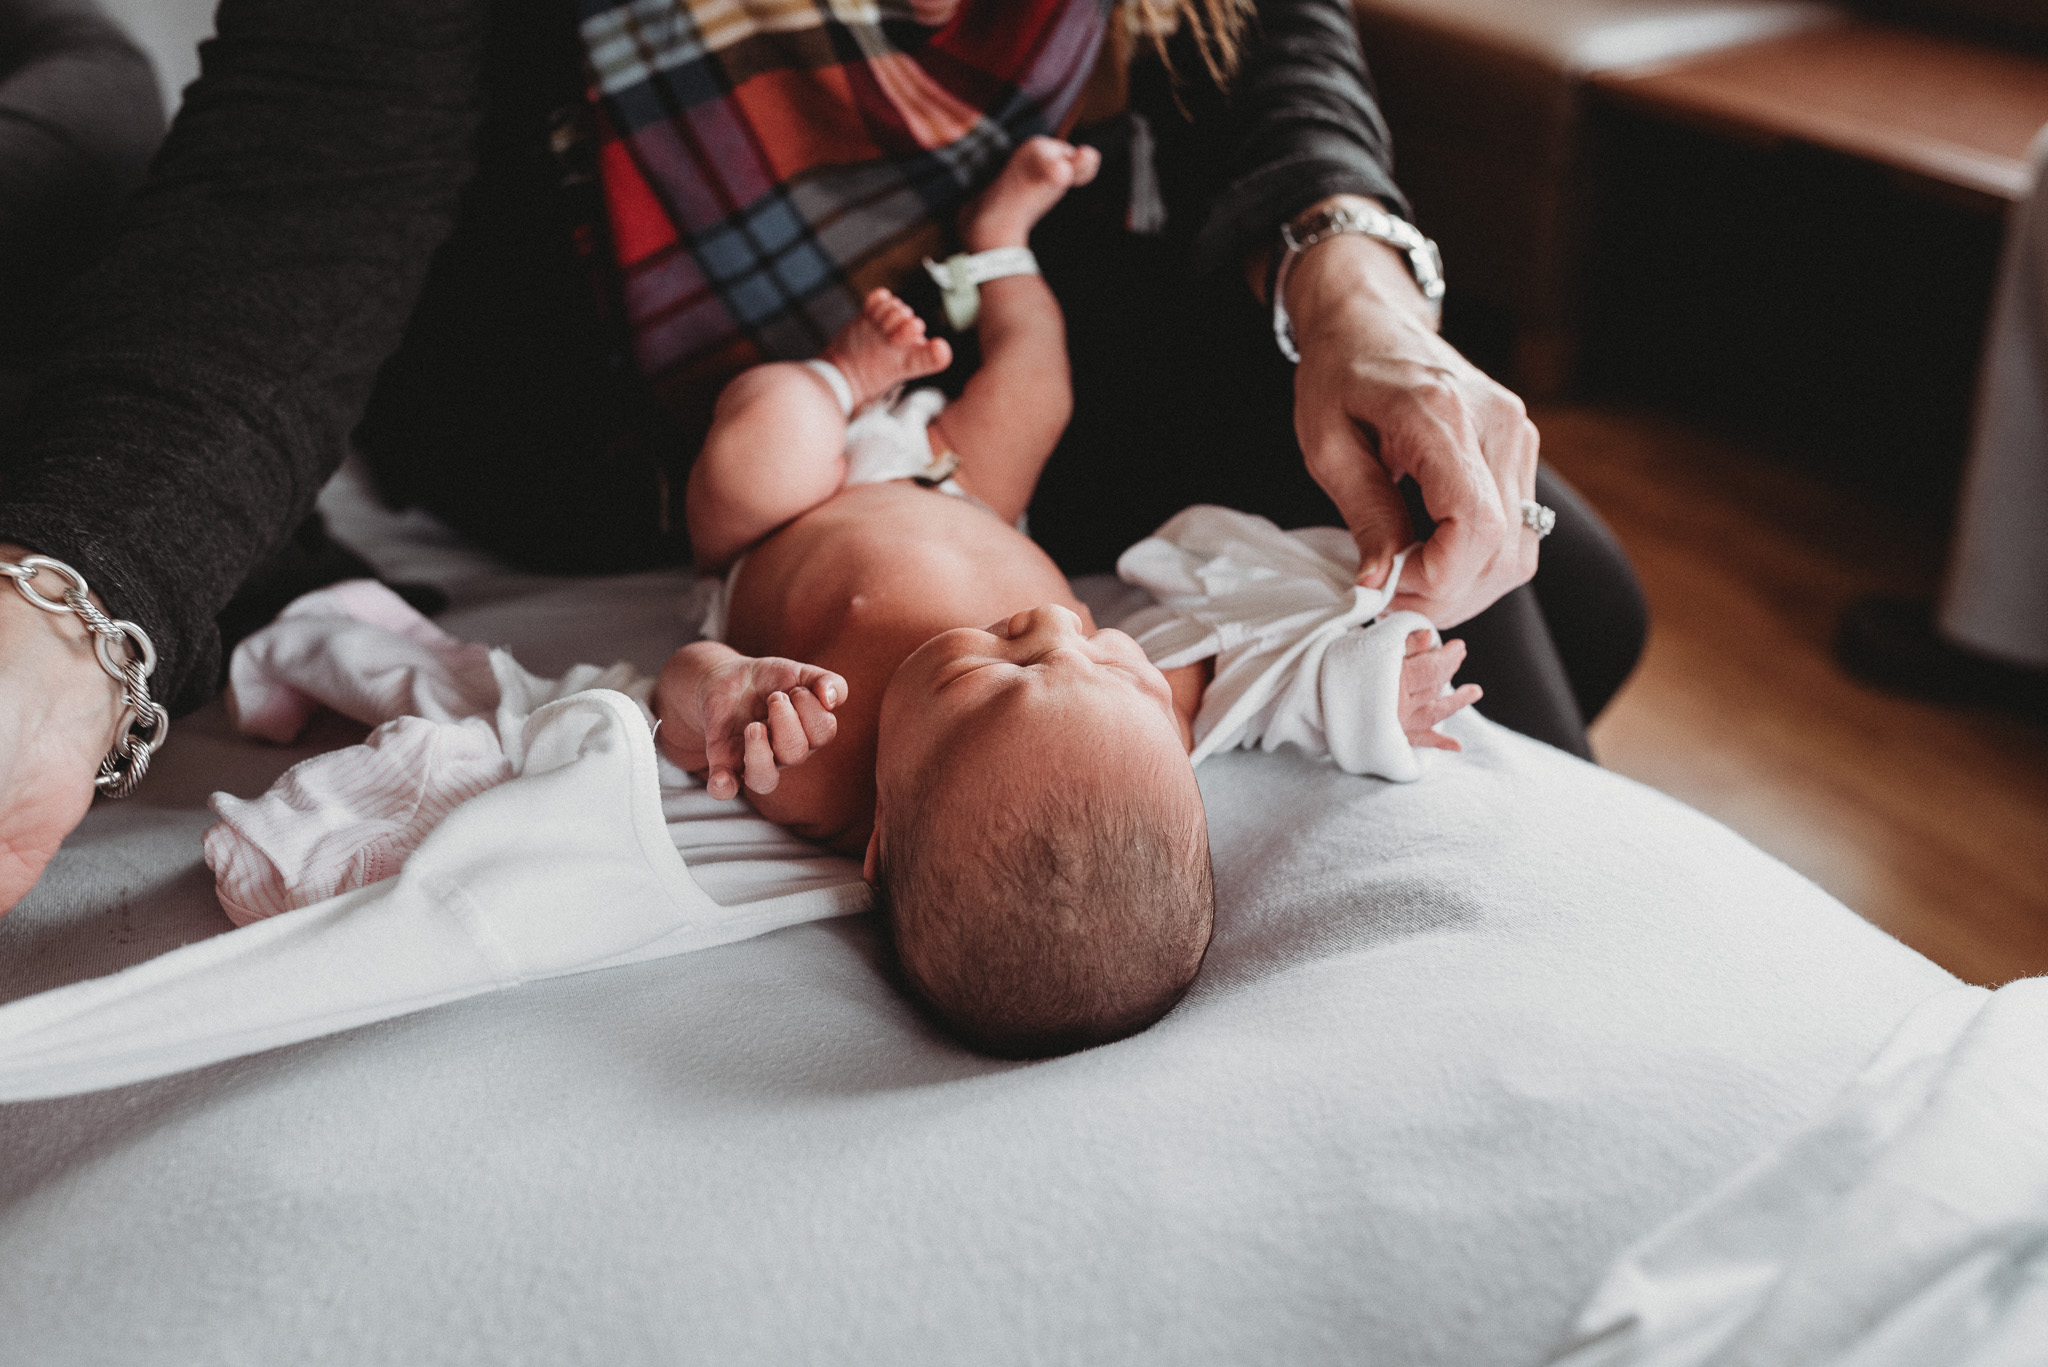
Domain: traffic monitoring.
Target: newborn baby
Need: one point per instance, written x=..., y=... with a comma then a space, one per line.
x=897, y=671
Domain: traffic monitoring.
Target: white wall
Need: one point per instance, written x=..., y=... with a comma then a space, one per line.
x=170, y=32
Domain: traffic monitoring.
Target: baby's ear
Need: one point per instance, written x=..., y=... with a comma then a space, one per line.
x=871, y=864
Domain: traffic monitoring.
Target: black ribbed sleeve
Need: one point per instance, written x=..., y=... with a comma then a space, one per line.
x=210, y=365
x=1302, y=123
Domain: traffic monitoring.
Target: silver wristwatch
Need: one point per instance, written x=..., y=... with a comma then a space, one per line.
x=1424, y=260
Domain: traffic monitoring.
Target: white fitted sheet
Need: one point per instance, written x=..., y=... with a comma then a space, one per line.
x=1457, y=1045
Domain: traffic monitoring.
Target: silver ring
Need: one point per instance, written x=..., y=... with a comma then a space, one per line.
x=1538, y=519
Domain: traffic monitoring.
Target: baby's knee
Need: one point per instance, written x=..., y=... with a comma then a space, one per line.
x=776, y=385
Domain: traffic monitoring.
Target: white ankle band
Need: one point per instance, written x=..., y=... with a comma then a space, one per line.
x=835, y=379
x=960, y=278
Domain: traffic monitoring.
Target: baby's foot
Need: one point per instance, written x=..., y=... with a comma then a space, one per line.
x=884, y=347
x=1039, y=173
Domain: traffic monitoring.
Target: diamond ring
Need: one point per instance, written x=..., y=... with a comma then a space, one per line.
x=1538, y=519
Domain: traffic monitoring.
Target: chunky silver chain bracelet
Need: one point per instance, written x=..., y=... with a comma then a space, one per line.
x=127, y=655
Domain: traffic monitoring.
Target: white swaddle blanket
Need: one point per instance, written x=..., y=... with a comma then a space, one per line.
x=565, y=858
x=570, y=864
x=1304, y=656
x=1906, y=1225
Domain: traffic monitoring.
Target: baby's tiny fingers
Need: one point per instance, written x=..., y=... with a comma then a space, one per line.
x=1436, y=740
x=1425, y=714
x=1418, y=641
x=786, y=731
x=761, y=775
x=1426, y=674
x=722, y=783
x=819, y=725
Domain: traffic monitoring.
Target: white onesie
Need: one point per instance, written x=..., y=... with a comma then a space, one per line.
x=1304, y=655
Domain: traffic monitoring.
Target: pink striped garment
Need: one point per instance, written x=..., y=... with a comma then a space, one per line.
x=348, y=818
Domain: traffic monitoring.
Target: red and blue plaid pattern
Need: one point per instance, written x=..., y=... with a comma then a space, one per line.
x=765, y=163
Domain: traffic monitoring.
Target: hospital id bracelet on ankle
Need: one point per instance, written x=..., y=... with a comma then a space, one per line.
x=961, y=276
x=144, y=723
x=1424, y=261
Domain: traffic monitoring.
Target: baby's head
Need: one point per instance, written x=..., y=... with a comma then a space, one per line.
x=1040, y=850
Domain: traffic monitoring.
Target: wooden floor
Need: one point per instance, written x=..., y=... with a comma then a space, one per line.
x=1931, y=822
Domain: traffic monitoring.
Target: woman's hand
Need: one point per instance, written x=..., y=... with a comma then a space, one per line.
x=1379, y=395
x=58, y=710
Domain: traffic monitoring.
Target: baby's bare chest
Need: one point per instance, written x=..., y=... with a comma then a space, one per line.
x=887, y=563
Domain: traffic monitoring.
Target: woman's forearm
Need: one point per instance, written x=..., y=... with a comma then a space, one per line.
x=208, y=369
x=1303, y=125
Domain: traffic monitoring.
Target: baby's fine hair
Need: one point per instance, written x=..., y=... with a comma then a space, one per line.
x=1038, y=932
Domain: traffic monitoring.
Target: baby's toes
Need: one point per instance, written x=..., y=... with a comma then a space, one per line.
x=880, y=308
x=904, y=329
x=929, y=357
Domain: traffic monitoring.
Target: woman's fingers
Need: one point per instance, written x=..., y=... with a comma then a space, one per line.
x=722, y=783
x=1341, y=460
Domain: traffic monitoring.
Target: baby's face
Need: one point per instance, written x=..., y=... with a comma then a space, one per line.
x=1038, y=698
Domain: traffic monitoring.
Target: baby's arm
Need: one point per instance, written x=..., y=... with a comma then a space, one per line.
x=1007, y=420
x=726, y=715
x=1425, y=673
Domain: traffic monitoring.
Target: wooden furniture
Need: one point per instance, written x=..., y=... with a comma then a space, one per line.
x=1485, y=100
x=1797, y=239
x=1944, y=114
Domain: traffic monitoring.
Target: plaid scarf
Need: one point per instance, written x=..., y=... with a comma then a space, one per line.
x=766, y=163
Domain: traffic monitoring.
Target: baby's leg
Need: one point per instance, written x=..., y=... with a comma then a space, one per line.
x=1006, y=422
x=777, y=448
x=777, y=445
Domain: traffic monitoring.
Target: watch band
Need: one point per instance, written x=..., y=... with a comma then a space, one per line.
x=1424, y=261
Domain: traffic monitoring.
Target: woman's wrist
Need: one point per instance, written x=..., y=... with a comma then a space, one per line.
x=49, y=663
x=1350, y=267
x=64, y=640
x=55, y=654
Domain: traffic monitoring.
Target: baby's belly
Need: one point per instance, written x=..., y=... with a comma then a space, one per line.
x=895, y=559
x=854, y=586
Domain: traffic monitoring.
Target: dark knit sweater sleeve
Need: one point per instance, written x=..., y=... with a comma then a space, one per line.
x=1302, y=123
x=79, y=116
x=209, y=366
